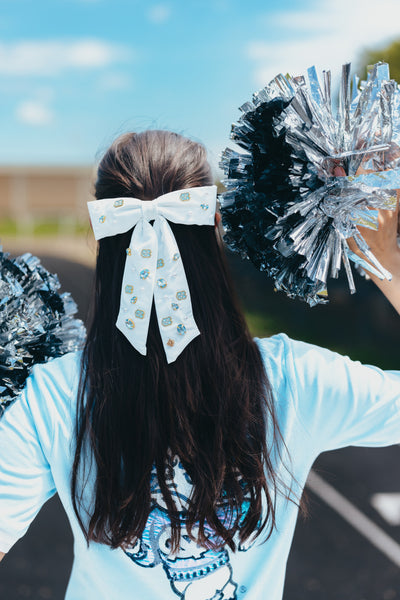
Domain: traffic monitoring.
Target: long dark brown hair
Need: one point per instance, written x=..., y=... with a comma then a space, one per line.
x=212, y=407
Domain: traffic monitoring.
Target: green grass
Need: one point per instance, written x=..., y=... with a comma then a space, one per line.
x=8, y=227
x=266, y=324
x=41, y=228
x=260, y=324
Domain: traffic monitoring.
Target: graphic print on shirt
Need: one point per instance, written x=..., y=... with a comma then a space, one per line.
x=195, y=572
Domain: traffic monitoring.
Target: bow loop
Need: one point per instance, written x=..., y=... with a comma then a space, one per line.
x=154, y=267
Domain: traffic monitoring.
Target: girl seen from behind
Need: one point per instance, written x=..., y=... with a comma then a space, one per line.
x=180, y=477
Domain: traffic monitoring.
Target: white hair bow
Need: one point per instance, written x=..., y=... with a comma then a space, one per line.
x=153, y=265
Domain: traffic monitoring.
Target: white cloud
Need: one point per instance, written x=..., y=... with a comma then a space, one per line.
x=34, y=112
x=326, y=34
x=159, y=13
x=51, y=57
x=114, y=81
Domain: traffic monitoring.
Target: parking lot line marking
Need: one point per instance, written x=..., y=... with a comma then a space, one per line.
x=350, y=513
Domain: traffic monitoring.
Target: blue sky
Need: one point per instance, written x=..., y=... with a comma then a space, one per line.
x=76, y=73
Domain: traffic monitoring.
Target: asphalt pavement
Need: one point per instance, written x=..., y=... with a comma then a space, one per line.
x=347, y=549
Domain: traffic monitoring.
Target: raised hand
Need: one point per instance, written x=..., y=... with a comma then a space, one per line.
x=384, y=245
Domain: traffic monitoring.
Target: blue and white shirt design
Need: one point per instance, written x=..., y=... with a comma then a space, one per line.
x=195, y=571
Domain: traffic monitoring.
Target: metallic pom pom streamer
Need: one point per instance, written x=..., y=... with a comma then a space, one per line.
x=36, y=323
x=284, y=208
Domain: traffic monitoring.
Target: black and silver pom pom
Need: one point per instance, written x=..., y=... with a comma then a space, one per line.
x=284, y=208
x=36, y=322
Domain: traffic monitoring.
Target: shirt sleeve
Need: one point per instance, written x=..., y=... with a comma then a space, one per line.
x=26, y=481
x=341, y=402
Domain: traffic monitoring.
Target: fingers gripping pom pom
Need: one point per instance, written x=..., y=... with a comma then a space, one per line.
x=36, y=323
x=284, y=207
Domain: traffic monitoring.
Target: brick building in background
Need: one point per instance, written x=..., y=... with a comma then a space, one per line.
x=35, y=193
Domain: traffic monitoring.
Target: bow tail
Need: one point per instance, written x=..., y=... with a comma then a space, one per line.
x=171, y=294
x=138, y=285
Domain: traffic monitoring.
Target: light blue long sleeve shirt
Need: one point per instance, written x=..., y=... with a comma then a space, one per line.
x=323, y=401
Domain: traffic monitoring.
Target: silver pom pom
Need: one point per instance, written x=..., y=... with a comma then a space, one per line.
x=36, y=323
x=285, y=208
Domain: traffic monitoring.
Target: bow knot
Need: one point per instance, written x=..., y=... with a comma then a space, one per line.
x=149, y=210
x=153, y=267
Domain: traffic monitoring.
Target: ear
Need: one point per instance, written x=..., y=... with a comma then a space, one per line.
x=217, y=219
